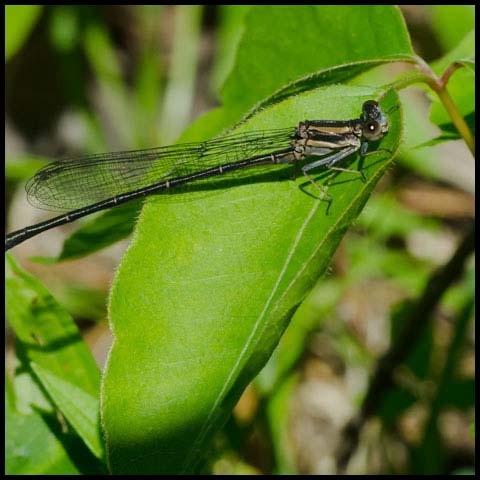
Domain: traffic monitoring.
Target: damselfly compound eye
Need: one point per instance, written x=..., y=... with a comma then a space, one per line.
x=372, y=130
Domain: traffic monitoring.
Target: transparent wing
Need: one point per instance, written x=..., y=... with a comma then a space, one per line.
x=75, y=183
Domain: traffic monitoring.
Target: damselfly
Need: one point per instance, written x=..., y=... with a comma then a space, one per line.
x=89, y=184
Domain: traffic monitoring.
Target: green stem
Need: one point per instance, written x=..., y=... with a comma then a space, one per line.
x=457, y=119
x=426, y=75
x=449, y=71
x=412, y=78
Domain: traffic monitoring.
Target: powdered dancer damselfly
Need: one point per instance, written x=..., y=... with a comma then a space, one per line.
x=89, y=184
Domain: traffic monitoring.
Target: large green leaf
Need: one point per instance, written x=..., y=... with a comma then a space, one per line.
x=282, y=43
x=293, y=343
x=305, y=47
x=208, y=286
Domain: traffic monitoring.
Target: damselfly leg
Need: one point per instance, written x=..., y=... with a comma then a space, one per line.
x=364, y=153
x=327, y=162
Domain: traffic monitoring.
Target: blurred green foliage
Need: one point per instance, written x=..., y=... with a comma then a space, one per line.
x=451, y=23
x=19, y=21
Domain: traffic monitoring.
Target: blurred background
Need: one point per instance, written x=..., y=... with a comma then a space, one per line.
x=89, y=79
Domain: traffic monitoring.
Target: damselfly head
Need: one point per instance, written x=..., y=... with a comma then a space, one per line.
x=375, y=123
